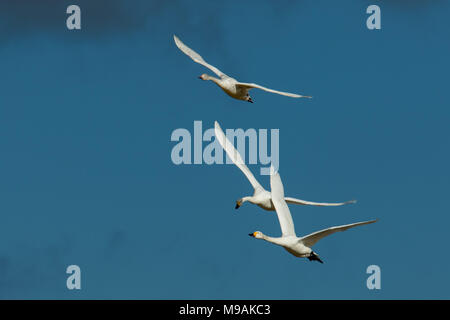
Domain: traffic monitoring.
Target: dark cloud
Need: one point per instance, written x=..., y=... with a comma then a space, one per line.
x=33, y=269
x=116, y=241
x=4, y=265
x=105, y=19
x=408, y=4
x=100, y=17
x=49, y=16
x=109, y=17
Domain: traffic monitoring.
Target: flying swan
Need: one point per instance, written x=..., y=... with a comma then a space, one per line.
x=232, y=87
x=299, y=247
x=261, y=197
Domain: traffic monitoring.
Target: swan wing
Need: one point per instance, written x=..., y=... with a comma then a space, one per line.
x=312, y=238
x=196, y=57
x=322, y=204
x=235, y=156
x=281, y=207
x=249, y=86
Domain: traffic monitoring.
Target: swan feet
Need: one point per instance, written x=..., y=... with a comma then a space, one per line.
x=313, y=256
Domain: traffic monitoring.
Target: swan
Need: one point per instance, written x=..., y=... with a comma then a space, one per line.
x=261, y=197
x=232, y=87
x=299, y=247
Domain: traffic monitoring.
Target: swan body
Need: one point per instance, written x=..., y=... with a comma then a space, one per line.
x=297, y=246
x=260, y=197
x=228, y=85
x=232, y=87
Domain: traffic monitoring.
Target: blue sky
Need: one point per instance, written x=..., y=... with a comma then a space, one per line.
x=87, y=179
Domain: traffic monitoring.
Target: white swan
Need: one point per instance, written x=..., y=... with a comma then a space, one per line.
x=232, y=87
x=261, y=197
x=299, y=247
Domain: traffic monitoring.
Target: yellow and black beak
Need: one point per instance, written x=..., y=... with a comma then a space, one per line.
x=252, y=234
x=238, y=204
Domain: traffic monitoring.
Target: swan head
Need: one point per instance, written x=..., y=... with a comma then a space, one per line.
x=238, y=203
x=204, y=76
x=256, y=234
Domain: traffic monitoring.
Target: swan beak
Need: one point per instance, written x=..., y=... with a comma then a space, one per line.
x=252, y=235
x=238, y=204
x=250, y=100
x=200, y=77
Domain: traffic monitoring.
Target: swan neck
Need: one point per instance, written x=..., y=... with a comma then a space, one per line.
x=272, y=240
x=248, y=198
x=214, y=79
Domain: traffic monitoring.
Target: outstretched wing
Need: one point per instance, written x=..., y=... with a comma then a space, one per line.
x=281, y=207
x=196, y=57
x=312, y=238
x=257, y=86
x=323, y=204
x=235, y=156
